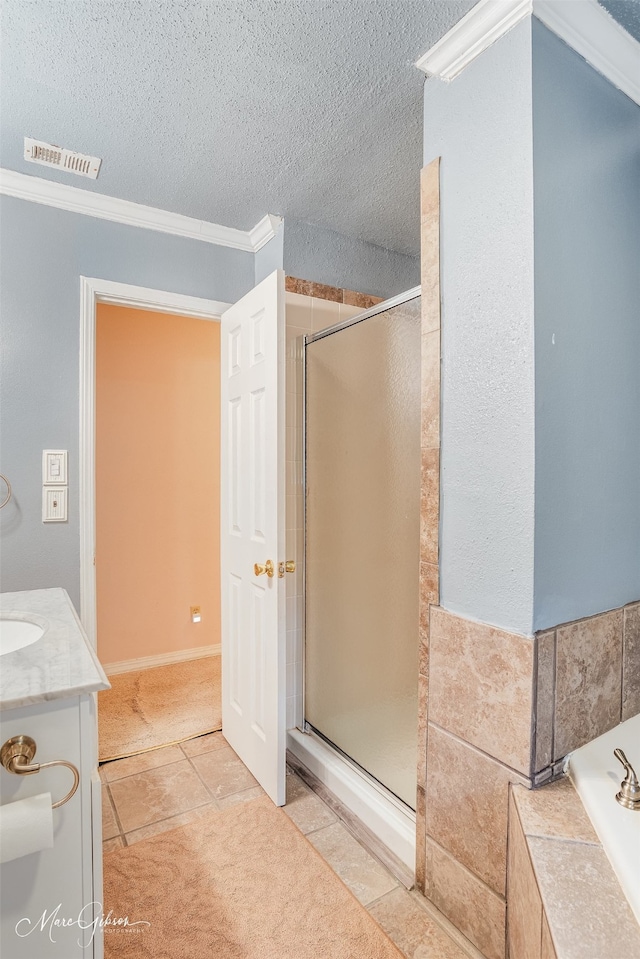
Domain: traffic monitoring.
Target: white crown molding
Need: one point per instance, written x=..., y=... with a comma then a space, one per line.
x=264, y=231
x=593, y=33
x=483, y=25
x=75, y=200
x=583, y=24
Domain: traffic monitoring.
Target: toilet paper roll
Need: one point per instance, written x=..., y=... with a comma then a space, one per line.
x=26, y=826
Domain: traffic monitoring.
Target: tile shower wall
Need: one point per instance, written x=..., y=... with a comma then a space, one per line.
x=304, y=314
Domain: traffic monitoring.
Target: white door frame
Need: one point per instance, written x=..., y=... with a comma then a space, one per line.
x=92, y=292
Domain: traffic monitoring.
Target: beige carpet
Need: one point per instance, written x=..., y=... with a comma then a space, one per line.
x=243, y=883
x=155, y=707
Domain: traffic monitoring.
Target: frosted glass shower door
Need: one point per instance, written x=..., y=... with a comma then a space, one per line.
x=363, y=542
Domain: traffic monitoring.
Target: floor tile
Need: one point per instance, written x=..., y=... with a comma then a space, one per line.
x=245, y=796
x=159, y=791
x=109, y=825
x=156, y=794
x=110, y=845
x=364, y=876
x=203, y=744
x=120, y=768
x=164, y=825
x=304, y=808
x=223, y=772
x=411, y=928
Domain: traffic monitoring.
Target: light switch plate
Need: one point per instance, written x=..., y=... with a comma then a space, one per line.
x=54, y=467
x=54, y=504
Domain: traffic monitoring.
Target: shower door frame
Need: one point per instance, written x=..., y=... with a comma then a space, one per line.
x=303, y=725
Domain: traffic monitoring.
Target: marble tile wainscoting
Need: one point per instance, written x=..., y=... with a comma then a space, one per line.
x=504, y=710
x=478, y=743
x=587, y=681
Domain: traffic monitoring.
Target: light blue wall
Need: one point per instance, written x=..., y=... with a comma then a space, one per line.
x=313, y=253
x=480, y=124
x=587, y=311
x=44, y=253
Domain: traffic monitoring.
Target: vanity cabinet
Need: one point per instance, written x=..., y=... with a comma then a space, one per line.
x=42, y=889
x=52, y=899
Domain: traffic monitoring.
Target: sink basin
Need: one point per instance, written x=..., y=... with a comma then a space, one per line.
x=18, y=630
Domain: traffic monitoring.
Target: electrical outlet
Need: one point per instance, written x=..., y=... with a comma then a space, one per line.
x=196, y=615
x=54, y=504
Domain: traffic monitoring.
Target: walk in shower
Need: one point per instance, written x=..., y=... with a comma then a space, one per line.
x=362, y=546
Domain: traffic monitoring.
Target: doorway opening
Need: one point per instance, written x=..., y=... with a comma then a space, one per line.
x=150, y=470
x=157, y=527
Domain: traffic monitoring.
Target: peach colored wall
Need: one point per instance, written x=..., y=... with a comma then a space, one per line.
x=157, y=482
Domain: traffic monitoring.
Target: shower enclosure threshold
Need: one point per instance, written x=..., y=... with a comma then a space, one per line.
x=390, y=821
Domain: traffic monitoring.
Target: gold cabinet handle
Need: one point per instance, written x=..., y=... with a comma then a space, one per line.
x=288, y=567
x=267, y=568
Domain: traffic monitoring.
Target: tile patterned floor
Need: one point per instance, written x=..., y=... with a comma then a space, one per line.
x=159, y=790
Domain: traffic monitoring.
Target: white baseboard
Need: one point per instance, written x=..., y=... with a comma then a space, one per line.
x=163, y=659
x=387, y=818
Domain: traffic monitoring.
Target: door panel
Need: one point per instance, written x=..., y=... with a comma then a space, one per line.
x=252, y=532
x=363, y=543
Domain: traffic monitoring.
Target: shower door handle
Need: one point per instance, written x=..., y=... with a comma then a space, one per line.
x=267, y=568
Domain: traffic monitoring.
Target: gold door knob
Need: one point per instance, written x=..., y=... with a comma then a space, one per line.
x=267, y=568
x=288, y=567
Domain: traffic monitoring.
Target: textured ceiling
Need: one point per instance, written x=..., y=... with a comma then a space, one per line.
x=626, y=12
x=226, y=110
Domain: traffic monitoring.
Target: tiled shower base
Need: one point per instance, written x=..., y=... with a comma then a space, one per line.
x=159, y=790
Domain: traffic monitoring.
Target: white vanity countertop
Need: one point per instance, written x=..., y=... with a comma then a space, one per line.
x=59, y=664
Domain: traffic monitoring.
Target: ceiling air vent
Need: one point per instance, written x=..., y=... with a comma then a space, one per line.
x=35, y=151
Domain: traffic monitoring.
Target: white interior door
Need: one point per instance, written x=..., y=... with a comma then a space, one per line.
x=252, y=531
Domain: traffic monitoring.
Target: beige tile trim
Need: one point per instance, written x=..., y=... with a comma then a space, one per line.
x=600, y=653
x=584, y=908
x=467, y=806
x=631, y=661
x=430, y=476
x=430, y=245
x=466, y=901
x=524, y=909
x=293, y=284
x=481, y=686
